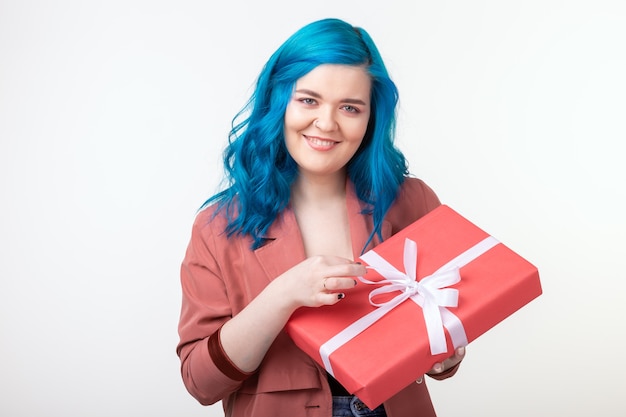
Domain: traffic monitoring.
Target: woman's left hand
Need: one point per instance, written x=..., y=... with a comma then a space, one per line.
x=451, y=362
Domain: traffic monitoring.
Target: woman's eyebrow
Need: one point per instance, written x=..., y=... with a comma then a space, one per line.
x=317, y=95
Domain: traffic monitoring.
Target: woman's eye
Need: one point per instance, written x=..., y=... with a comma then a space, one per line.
x=351, y=109
x=309, y=101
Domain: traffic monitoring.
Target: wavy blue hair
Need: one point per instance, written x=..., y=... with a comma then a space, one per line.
x=259, y=170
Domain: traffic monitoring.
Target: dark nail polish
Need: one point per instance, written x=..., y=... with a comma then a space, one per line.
x=340, y=296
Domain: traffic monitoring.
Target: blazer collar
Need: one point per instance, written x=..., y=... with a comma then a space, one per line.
x=284, y=248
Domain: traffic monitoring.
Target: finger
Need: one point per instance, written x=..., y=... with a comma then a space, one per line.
x=330, y=298
x=440, y=367
x=345, y=270
x=437, y=368
x=338, y=283
x=459, y=353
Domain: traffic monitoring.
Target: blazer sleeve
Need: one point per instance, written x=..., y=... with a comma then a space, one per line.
x=205, y=308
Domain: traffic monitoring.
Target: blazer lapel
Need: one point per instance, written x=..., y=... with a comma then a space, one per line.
x=284, y=248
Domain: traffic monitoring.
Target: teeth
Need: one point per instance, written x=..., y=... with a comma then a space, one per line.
x=320, y=142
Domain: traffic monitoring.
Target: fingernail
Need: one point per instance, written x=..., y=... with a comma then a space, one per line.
x=340, y=296
x=438, y=367
x=461, y=350
x=354, y=282
x=358, y=263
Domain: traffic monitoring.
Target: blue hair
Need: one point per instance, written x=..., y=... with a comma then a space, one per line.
x=259, y=170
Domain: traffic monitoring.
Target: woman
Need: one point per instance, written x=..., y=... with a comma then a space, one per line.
x=314, y=180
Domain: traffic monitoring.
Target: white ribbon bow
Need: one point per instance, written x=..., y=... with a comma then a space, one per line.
x=430, y=292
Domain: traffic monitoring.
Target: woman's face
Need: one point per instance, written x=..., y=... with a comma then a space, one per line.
x=327, y=117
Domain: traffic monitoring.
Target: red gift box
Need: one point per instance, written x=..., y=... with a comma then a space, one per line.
x=375, y=351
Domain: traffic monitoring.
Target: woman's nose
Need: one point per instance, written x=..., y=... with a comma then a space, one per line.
x=325, y=122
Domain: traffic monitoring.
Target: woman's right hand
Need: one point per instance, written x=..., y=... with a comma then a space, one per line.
x=318, y=280
x=314, y=282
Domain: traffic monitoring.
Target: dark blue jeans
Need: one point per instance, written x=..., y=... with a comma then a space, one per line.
x=351, y=406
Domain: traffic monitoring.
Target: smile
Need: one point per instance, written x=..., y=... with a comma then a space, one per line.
x=317, y=143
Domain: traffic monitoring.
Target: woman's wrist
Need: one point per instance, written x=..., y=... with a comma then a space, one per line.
x=222, y=361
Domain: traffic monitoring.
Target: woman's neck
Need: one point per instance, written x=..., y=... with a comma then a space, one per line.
x=312, y=190
x=321, y=212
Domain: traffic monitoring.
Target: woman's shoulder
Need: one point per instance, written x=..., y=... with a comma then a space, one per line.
x=415, y=191
x=415, y=184
x=209, y=215
x=209, y=234
x=210, y=223
x=415, y=198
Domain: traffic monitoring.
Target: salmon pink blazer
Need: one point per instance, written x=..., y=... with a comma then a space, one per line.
x=221, y=275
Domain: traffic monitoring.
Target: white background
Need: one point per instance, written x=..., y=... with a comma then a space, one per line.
x=113, y=116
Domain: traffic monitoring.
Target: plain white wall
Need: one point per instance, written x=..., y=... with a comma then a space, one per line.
x=112, y=119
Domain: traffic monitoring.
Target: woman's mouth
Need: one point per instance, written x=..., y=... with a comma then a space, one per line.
x=319, y=143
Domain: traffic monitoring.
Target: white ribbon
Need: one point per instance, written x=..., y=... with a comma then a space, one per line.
x=430, y=293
